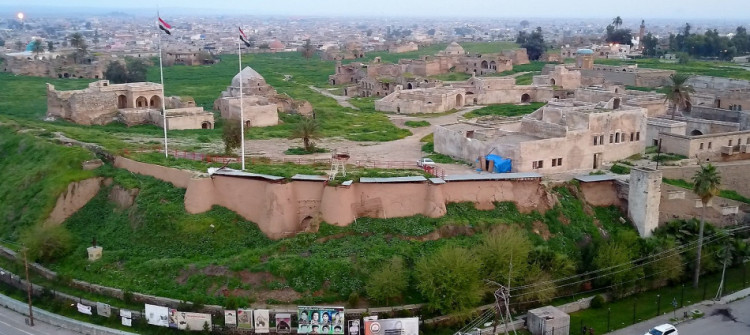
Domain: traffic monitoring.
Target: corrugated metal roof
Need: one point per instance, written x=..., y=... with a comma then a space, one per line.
x=437, y=181
x=492, y=176
x=237, y=173
x=309, y=177
x=413, y=179
x=596, y=177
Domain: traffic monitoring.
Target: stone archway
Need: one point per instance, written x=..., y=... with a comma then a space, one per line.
x=206, y=125
x=459, y=100
x=485, y=64
x=552, y=81
x=141, y=102
x=248, y=124
x=155, y=102
x=696, y=132
x=525, y=98
x=493, y=65
x=122, y=101
x=409, y=86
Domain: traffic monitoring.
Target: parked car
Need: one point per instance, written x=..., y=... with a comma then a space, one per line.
x=425, y=162
x=665, y=329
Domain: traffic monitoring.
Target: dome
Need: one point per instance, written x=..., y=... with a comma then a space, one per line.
x=585, y=52
x=454, y=48
x=247, y=74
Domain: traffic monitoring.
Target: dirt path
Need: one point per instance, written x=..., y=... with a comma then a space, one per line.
x=405, y=149
x=342, y=100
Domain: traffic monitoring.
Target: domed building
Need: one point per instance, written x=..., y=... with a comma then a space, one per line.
x=454, y=49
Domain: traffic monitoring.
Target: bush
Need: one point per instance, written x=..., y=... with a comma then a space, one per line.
x=450, y=280
x=302, y=151
x=417, y=124
x=598, y=301
x=620, y=169
x=47, y=243
x=389, y=282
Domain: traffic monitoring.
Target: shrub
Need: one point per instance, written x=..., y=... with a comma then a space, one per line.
x=302, y=151
x=598, y=301
x=417, y=124
x=620, y=169
x=389, y=282
x=449, y=279
x=47, y=243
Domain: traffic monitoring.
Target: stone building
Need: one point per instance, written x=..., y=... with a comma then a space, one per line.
x=560, y=76
x=404, y=47
x=629, y=75
x=133, y=104
x=421, y=100
x=260, y=102
x=54, y=65
x=562, y=136
x=186, y=55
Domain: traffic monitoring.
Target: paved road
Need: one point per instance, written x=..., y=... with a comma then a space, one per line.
x=712, y=323
x=12, y=323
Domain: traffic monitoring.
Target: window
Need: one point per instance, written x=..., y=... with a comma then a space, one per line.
x=611, y=138
x=709, y=145
x=554, y=162
x=632, y=137
x=559, y=161
x=537, y=164
x=747, y=141
x=596, y=140
x=730, y=144
x=701, y=148
x=638, y=136
x=617, y=138
x=601, y=139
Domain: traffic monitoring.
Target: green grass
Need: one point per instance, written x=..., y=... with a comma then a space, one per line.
x=646, y=307
x=429, y=149
x=302, y=151
x=703, y=68
x=417, y=124
x=505, y=110
x=620, y=169
x=666, y=157
x=534, y=66
x=526, y=78
x=728, y=194
x=431, y=50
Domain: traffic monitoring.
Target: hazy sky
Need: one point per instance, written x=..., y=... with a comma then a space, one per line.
x=632, y=9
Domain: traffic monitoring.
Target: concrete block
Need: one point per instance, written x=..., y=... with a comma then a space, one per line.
x=671, y=195
x=729, y=210
x=699, y=203
x=95, y=253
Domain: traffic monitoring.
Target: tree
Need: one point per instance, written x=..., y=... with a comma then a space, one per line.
x=308, y=50
x=678, y=91
x=617, y=22
x=50, y=46
x=617, y=259
x=116, y=73
x=525, y=24
x=47, y=243
x=650, y=43
x=449, y=280
x=231, y=135
x=37, y=47
x=79, y=43
x=706, y=183
x=308, y=130
x=389, y=282
x=620, y=36
x=498, y=248
x=137, y=69
x=534, y=43
x=667, y=262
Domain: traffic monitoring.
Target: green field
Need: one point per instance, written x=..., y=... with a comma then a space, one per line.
x=504, y=110
x=703, y=68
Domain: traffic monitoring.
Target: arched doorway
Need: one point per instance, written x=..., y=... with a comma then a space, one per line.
x=696, y=132
x=525, y=98
x=484, y=64
x=248, y=124
x=155, y=102
x=141, y=102
x=459, y=100
x=552, y=81
x=206, y=125
x=333, y=81
x=122, y=101
x=493, y=65
x=616, y=103
x=409, y=86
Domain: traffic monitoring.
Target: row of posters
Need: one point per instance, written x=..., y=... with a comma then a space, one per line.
x=402, y=326
x=172, y=318
x=320, y=320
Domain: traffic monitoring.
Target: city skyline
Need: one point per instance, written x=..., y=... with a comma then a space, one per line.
x=636, y=9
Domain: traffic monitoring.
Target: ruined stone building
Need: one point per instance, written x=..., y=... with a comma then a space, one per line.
x=630, y=75
x=404, y=47
x=54, y=65
x=562, y=136
x=260, y=102
x=422, y=100
x=133, y=104
x=186, y=55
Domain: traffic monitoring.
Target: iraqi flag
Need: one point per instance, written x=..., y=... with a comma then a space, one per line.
x=243, y=37
x=165, y=26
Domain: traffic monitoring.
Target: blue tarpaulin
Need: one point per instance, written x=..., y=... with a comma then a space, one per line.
x=501, y=164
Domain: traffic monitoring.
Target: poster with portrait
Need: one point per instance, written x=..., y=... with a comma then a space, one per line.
x=103, y=309
x=157, y=315
x=283, y=323
x=320, y=320
x=193, y=321
x=402, y=326
x=230, y=318
x=172, y=318
x=126, y=317
x=245, y=318
x=353, y=327
x=261, y=321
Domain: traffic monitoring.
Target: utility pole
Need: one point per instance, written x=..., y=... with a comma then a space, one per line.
x=502, y=295
x=30, y=288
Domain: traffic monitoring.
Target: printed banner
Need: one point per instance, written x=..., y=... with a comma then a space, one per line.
x=245, y=318
x=103, y=309
x=261, y=319
x=404, y=326
x=230, y=318
x=193, y=321
x=172, y=318
x=283, y=323
x=83, y=308
x=354, y=327
x=127, y=317
x=320, y=320
x=157, y=315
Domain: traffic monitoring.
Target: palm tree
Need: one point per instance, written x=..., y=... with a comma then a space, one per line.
x=79, y=43
x=678, y=92
x=706, y=185
x=617, y=22
x=307, y=130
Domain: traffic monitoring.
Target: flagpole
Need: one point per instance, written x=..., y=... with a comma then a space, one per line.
x=242, y=112
x=163, y=107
